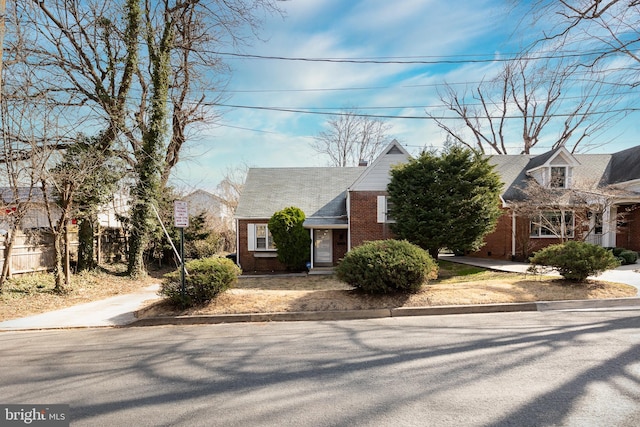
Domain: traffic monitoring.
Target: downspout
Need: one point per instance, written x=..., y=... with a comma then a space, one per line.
x=348, y=220
x=513, y=235
x=238, y=243
x=313, y=235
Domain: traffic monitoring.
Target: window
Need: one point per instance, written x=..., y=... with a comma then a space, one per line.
x=595, y=221
x=553, y=224
x=385, y=209
x=558, y=177
x=259, y=238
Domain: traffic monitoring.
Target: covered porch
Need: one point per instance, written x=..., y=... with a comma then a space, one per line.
x=328, y=242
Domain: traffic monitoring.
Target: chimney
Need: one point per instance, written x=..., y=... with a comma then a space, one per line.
x=362, y=163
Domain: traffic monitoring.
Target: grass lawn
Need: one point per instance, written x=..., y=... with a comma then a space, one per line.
x=457, y=284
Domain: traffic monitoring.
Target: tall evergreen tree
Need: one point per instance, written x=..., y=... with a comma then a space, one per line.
x=450, y=200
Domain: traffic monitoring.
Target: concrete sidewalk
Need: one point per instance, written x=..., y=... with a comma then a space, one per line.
x=114, y=311
x=119, y=310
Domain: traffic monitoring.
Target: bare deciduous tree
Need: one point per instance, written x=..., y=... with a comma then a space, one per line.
x=142, y=70
x=529, y=102
x=352, y=138
x=599, y=28
x=575, y=213
x=27, y=121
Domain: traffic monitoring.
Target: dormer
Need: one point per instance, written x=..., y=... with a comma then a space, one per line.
x=553, y=169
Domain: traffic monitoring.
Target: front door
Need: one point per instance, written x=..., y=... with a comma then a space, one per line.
x=322, y=248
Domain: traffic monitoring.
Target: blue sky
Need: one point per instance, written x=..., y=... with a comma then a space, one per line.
x=367, y=29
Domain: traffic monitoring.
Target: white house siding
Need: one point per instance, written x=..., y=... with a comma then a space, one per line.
x=377, y=176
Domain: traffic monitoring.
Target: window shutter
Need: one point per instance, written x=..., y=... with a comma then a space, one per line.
x=382, y=208
x=251, y=237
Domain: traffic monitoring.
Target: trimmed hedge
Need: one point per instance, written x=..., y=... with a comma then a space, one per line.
x=626, y=256
x=575, y=260
x=387, y=266
x=207, y=278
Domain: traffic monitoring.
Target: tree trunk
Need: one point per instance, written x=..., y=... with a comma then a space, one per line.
x=8, y=252
x=57, y=269
x=434, y=253
x=140, y=231
x=86, y=259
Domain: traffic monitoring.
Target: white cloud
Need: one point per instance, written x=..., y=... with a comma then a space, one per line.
x=349, y=29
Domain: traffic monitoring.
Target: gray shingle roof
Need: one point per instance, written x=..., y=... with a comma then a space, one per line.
x=624, y=166
x=319, y=192
x=7, y=195
x=591, y=171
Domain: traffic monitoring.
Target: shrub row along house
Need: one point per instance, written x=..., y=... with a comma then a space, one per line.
x=546, y=198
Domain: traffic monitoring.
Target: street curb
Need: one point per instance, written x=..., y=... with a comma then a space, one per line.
x=333, y=315
x=588, y=304
x=302, y=316
x=263, y=317
x=463, y=309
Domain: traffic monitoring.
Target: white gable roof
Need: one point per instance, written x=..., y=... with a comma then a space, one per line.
x=377, y=176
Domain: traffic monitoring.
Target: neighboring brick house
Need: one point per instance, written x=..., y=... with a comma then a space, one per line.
x=348, y=206
x=343, y=207
x=615, y=175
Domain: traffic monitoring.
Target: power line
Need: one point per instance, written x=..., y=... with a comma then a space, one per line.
x=425, y=117
x=412, y=59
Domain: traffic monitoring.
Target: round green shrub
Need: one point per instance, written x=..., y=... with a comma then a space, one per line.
x=617, y=251
x=576, y=260
x=628, y=257
x=206, y=279
x=292, y=240
x=387, y=266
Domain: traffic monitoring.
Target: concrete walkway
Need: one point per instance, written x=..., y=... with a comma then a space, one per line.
x=114, y=311
x=119, y=310
x=627, y=274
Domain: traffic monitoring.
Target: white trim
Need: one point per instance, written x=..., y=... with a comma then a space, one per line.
x=381, y=212
x=238, y=243
x=348, y=221
x=251, y=237
x=312, y=231
x=513, y=233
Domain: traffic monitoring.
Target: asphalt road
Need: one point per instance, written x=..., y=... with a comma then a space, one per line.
x=575, y=368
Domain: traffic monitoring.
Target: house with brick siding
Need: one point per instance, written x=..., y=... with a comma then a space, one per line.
x=616, y=176
x=345, y=207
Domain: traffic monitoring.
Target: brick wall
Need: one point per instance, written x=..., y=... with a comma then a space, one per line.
x=628, y=231
x=248, y=260
x=339, y=245
x=364, y=218
x=498, y=244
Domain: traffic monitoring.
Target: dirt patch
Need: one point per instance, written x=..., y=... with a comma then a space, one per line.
x=324, y=293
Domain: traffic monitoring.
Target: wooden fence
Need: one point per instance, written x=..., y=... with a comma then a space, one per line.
x=32, y=252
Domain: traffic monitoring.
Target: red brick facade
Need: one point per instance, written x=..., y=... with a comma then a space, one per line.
x=363, y=218
x=499, y=243
x=365, y=227
x=255, y=261
x=628, y=230
x=267, y=261
x=339, y=245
